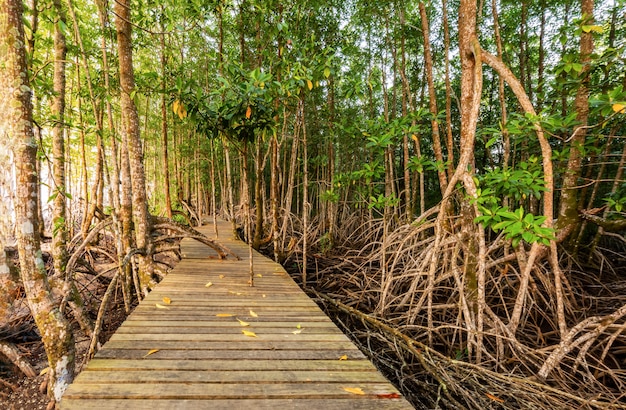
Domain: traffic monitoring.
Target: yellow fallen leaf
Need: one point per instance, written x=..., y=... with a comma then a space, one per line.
x=298, y=326
x=617, y=107
x=253, y=313
x=494, y=398
x=208, y=285
x=160, y=306
x=258, y=275
x=242, y=323
x=297, y=332
x=221, y=276
x=167, y=300
x=151, y=352
x=224, y=315
x=44, y=371
x=263, y=295
x=249, y=333
x=354, y=390
x=344, y=357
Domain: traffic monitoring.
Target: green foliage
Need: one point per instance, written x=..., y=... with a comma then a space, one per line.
x=516, y=225
x=381, y=201
x=517, y=184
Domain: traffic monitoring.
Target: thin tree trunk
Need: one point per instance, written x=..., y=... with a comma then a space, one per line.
x=16, y=120
x=166, y=168
x=59, y=217
x=568, y=207
x=131, y=121
x=432, y=98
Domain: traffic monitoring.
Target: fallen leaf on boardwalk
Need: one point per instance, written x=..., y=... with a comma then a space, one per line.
x=297, y=332
x=160, y=306
x=258, y=275
x=354, y=390
x=253, y=313
x=344, y=357
x=298, y=326
x=167, y=300
x=249, y=333
x=388, y=396
x=494, y=398
x=151, y=352
x=224, y=315
x=263, y=295
x=235, y=293
x=208, y=285
x=242, y=323
x=221, y=276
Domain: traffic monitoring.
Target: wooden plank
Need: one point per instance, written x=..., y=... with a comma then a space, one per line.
x=185, y=356
x=231, y=376
x=232, y=354
x=334, y=365
x=255, y=404
x=211, y=391
x=144, y=344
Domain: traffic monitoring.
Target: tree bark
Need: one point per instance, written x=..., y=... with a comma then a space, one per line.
x=132, y=129
x=16, y=122
x=59, y=217
x=568, y=213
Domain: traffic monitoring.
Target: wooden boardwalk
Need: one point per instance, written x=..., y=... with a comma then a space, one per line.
x=221, y=344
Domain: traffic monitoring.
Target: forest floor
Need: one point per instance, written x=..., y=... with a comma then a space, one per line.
x=30, y=393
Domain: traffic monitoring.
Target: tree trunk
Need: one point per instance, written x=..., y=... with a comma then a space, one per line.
x=432, y=98
x=59, y=223
x=16, y=120
x=166, y=168
x=568, y=213
x=131, y=121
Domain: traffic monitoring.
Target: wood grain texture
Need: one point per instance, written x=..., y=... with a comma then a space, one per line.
x=183, y=347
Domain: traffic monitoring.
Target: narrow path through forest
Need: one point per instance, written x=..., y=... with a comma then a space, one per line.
x=204, y=338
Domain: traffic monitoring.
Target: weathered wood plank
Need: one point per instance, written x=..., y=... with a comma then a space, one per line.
x=211, y=391
x=255, y=404
x=232, y=354
x=231, y=376
x=334, y=365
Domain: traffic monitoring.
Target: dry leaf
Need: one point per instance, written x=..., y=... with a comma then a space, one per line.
x=167, y=300
x=44, y=371
x=160, y=306
x=297, y=332
x=354, y=390
x=208, y=285
x=224, y=315
x=494, y=398
x=344, y=357
x=151, y=352
x=249, y=333
x=242, y=323
x=388, y=396
x=258, y=275
x=235, y=293
x=298, y=326
x=221, y=276
x=253, y=313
